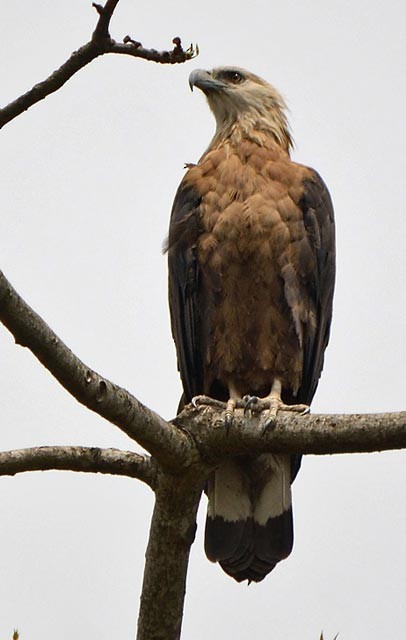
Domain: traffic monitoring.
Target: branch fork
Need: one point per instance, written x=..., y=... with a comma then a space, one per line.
x=183, y=454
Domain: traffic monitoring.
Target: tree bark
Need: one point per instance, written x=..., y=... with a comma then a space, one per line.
x=172, y=533
x=84, y=459
x=293, y=433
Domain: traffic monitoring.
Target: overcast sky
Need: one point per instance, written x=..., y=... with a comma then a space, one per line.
x=87, y=182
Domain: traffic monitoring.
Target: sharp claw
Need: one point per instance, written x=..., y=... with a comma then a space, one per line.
x=250, y=401
x=229, y=414
x=269, y=424
x=228, y=421
x=195, y=401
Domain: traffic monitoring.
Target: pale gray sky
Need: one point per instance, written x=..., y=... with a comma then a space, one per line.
x=87, y=185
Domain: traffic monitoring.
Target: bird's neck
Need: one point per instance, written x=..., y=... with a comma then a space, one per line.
x=265, y=131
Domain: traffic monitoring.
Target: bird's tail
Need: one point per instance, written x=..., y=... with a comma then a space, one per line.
x=249, y=526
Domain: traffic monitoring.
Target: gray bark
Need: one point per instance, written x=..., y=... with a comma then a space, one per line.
x=172, y=533
x=84, y=459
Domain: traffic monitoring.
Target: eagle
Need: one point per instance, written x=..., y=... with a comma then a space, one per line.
x=251, y=258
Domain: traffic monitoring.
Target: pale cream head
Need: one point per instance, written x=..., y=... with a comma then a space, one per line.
x=241, y=99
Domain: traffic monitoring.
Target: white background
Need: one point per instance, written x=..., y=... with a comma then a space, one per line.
x=87, y=182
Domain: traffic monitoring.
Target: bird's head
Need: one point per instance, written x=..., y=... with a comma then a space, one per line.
x=243, y=102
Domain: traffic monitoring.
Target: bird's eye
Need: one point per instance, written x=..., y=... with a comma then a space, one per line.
x=235, y=77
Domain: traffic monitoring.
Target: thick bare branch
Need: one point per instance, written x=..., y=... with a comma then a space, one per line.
x=172, y=533
x=169, y=444
x=100, y=43
x=172, y=528
x=308, y=434
x=86, y=459
x=196, y=432
x=207, y=438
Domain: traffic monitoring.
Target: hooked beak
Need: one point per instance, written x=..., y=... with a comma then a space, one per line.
x=203, y=80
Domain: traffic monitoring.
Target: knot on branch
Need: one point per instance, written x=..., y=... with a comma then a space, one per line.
x=129, y=40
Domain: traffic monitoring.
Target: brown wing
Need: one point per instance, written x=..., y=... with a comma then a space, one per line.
x=318, y=218
x=185, y=298
x=314, y=268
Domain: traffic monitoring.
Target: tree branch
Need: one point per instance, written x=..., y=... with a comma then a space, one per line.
x=105, y=14
x=173, y=523
x=172, y=533
x=186, y=450
x=100, y=43
x=293, y=433
x=170, y=445
x=86, y=459
x=195, y=434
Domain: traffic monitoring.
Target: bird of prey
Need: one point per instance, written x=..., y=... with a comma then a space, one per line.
x=251, y=277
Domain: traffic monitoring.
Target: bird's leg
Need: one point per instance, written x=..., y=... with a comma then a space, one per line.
x=276, y=404
x=231, y=404
x=271, y=404
x=233, y=401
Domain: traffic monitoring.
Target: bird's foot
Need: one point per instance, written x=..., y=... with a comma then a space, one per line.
x=269, y=407
x=276, y=405
x=229, y=415
x=206, y=401
x=229, y=407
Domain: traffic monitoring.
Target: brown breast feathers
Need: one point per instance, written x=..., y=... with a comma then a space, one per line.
x=255, y=259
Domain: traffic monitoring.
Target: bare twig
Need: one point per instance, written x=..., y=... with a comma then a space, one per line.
x=86, y=459
x=169, y=444
x=100, y=43
x=105, y=14
x=133, y=48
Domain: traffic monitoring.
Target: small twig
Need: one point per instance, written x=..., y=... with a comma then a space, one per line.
x=135, y=43
x=85, y=459
x=100, y=43
x=134, y=48
x=105, y=13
